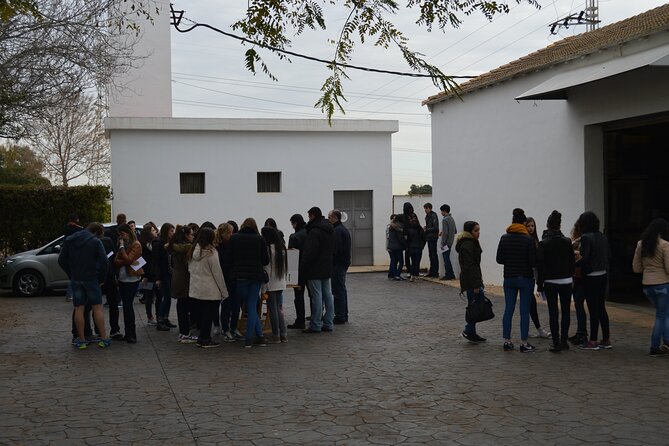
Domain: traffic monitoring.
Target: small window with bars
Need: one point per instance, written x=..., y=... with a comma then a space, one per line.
x=191, y=182
x=269, y=182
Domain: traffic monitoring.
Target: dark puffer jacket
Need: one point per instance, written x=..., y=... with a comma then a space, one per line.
x=249, y=254
x=469, y=256
x=342, y=249
x=518, y=253
x=595, y=252
x=555, y=258
x=318, y=250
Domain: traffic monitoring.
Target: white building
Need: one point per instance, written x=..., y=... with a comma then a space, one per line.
x=183, y=170
x=582, y=124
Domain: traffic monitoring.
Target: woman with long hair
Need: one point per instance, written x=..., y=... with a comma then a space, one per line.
x=229, y=307
x=595, y=256
x=207, y=284
x=129, y=275
x=531, y=226
x=517, y=252
x=651, y=258
x=416, y=243
x=163, y=275
x=277, y=271
x=249, y=256
x=148, y=283
x=471, y=279
x=178, y=248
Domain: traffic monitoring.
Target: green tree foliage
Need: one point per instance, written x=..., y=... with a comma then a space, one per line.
x=271, y=23
x=19, y=165
x=420, y=189
x=33, y=216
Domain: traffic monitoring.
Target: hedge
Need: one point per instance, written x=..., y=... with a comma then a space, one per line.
x=31, y=216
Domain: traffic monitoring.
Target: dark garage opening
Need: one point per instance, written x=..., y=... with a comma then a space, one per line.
x=636, y=157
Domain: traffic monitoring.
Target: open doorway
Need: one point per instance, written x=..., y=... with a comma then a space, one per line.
x=636, y=162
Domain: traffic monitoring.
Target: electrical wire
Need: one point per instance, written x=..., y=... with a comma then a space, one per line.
x=299, y=55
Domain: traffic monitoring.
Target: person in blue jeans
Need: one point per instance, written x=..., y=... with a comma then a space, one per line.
x=517, y=252
x=651, y=258
x=471, y=279
x=249, y=255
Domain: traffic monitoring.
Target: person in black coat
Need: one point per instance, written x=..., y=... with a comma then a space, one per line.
x=471, y=279
x=555, y=270
x=341, y=260
x=296, y=241
x=517, y=252
x=316, y=265
x=249, y=254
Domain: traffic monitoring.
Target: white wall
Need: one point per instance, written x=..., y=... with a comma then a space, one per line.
x=146, y=90
x=314, y=163
x=491, y=153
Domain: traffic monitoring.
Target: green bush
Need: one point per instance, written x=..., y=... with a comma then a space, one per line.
x=32, y=216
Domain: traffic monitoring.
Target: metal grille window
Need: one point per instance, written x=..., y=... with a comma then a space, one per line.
x=269, y=182
x=191, y=182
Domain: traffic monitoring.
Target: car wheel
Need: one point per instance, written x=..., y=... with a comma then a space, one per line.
x=28, y=283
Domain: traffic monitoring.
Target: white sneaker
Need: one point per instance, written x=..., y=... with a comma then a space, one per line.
x=541, y=333
x=227, y=337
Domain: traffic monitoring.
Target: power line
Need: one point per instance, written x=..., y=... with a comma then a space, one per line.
x=177, y=16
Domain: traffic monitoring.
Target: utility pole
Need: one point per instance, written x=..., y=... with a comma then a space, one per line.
x=592, y=14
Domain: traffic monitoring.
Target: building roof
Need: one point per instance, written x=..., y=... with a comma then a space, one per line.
x=650, y=22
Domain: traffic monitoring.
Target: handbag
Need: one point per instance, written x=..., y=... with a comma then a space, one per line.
x=480, y=310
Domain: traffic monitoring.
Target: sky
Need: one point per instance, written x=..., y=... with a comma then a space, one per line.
x=209, y=78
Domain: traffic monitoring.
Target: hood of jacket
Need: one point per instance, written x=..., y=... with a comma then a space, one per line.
x=517, y=228
x=551, y=233
x=321, y=224
x=462, y=238
x=80, y=238
x=200, y=254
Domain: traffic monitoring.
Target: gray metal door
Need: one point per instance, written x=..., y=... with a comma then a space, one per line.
x=356, y=208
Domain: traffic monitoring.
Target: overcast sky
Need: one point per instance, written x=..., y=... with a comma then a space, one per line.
x=209, y=78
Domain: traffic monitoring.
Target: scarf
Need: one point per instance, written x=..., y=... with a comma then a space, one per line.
x=517, y=228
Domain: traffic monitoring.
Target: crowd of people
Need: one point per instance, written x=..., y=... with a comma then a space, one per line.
x=555, y=268
x=217, y=274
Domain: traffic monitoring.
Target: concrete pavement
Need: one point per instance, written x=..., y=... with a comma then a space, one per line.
x=398, y=373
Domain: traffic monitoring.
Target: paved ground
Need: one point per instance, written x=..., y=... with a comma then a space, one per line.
x=397, y=374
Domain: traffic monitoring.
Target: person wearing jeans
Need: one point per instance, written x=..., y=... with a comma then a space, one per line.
x=129, y=251
x=651, y=258
x=277, y=272
x=249, y=292
x=447, y=238
x=517, y=252
x=316, y=264
x=341, y=260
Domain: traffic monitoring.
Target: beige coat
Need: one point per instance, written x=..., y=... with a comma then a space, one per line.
x=655, y=269
x=206, y=277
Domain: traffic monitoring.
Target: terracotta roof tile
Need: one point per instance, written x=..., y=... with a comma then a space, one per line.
x=650, y=22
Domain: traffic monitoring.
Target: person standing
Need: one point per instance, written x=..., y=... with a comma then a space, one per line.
x=341, y=260
x=84, y=260
x=595, y=256
x=249, y=256
x=230, y=306
x=207, y=284
x=163, y=274
x=415, y=246
x=317, y=267
x=517, y=252
x=447, y=237
x=277, y=271
x=471, y=279
x=555, y=270
x=129, y=275
x=148, y=284
x=578, y=290
x=651, y=258
x=178, y=248
x=431, y=236
x=396, y=246
x=531, y=226
x=407, y=214
x=296, y=241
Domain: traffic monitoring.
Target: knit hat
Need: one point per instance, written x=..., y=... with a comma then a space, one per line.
x=519, y=216
x=554, y=220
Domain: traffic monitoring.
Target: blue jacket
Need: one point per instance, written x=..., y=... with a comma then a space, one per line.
x=83, y=258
